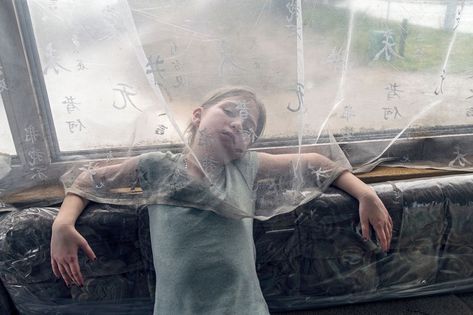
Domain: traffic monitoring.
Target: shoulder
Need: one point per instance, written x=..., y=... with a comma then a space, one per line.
x=248, y=165
x=249, y=160
x=157, y=157
x=155, y=166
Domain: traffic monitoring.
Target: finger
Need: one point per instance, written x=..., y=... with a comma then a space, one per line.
x=388, y=233
x=382, y=237
x=67, y=268
x=75, y=270
x=56, y=271
x=64, y=275
x=365, y=228
x=390, y=227
x=87, y=249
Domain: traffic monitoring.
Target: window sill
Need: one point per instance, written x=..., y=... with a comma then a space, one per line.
x=384, y=173
x=54, y=194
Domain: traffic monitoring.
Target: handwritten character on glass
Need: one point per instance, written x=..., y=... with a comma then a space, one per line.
x=125, y=94
x=75, y=125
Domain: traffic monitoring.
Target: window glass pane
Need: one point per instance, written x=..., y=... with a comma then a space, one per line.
x=390, y=65
x=205, y=45
x=365, y=67
x=6, y=140
x=97, y=89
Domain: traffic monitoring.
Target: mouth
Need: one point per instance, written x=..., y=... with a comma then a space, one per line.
x=235, y=142
x=229, y=136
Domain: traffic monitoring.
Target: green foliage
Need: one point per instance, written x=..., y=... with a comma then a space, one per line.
x=425, y=48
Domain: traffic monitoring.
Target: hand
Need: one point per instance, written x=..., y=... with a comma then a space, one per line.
x=65, y=242
x=373, y=211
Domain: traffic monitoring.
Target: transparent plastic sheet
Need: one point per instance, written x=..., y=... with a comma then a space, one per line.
x=140, y=58
x=310, y=258
x=429, y=253
x=351, y=80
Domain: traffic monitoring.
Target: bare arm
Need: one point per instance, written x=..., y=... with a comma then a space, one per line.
x=65, y=239
x=371, y=208
x=271, y=165
x=70, y=210
x=101, y=182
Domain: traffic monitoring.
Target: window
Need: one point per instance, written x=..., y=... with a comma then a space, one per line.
x=187, y=54
x=375, y=72
x=96, y=88
x=94, y=76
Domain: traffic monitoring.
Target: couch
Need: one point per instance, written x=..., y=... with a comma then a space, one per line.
x=310, y=258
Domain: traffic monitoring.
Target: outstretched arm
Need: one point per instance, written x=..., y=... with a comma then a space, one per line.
x=65, y=239
x=371, y=208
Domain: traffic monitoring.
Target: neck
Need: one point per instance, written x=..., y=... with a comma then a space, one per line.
x=210, y=166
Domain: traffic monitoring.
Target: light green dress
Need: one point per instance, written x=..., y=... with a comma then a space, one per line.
x=204, y=261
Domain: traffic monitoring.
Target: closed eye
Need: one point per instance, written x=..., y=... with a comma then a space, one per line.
x=229, y=112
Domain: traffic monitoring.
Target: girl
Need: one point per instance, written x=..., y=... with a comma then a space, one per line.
x=203, y=255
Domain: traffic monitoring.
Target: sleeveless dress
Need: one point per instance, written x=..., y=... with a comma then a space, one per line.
x=204, y=261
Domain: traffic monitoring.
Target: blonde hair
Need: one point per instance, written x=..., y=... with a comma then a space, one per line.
x=246, y=95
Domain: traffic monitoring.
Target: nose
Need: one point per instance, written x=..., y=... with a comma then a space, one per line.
x=236, y=125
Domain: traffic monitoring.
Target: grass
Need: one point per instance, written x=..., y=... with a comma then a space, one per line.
x=425, y=48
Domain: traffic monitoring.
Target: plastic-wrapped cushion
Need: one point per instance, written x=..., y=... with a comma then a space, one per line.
x=457, y=259
x=314, y=257
x=310, y=256
x=112, y=232
x=415, y=259
x=118, y=275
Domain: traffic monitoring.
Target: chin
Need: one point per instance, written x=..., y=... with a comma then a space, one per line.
x=238, y=154
x=230, y=153
x=227, y=158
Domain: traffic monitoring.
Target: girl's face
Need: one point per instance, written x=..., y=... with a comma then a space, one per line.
x=227, y=128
